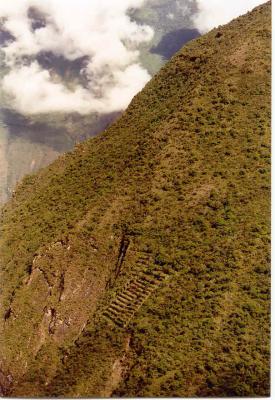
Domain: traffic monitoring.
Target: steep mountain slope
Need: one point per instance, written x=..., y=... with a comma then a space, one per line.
x=138, y=264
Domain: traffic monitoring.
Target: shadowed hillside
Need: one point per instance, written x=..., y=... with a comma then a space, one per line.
x=139, y=263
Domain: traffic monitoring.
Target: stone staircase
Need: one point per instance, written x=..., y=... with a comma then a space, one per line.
x=122, y=309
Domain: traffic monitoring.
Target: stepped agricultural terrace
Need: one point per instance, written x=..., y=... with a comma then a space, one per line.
x=127, y=302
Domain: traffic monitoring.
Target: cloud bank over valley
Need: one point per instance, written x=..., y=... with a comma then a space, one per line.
x=104, y=37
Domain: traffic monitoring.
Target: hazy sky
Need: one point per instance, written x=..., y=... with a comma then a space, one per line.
x=218, y=12
x=100, y=30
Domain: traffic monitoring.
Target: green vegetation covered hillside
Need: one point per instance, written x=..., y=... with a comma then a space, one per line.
x=138, y=264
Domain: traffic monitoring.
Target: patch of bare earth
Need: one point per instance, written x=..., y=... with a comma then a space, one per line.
x=118, y=371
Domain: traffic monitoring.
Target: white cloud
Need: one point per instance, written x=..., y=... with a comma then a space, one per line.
x=100, y=30
x=34, y=92
x=212, y=13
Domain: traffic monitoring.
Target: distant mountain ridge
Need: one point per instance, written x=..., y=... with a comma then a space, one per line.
x=138, y=264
